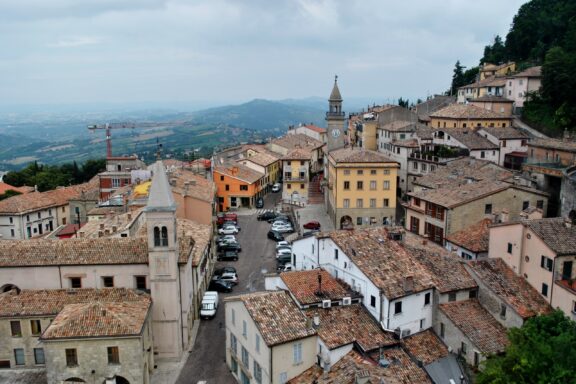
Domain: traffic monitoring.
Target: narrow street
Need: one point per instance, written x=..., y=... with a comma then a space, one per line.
x=207, y=361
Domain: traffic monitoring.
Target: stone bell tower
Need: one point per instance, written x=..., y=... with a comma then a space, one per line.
x=163, y=266
x=335, y=118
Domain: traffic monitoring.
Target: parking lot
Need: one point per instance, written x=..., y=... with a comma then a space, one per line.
x=207, y=361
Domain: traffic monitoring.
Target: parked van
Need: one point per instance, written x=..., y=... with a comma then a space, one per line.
x=209, y=305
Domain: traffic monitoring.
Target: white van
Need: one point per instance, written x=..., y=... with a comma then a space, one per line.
x=209, y=305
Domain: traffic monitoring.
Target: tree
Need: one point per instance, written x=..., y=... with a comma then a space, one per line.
x=495, y=53
x=403, y=103
x=457, y=78
x=543, y=351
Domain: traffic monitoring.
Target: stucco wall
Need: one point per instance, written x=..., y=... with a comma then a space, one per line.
x=27, y=341
x=453, y=338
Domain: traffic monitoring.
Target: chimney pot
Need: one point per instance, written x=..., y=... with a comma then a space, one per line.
x=101, y=226
x=100, y=233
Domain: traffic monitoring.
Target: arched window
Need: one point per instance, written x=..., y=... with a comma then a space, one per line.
x=156, y=236
x=164, y=237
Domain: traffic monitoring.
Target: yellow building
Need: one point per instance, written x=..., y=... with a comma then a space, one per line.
x=492, y=70
x=468, y=116
x=361, y=188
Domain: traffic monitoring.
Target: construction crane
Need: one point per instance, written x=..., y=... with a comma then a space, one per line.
x=108, y=127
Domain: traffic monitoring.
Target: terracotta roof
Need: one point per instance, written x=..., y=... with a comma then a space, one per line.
x=469, y=138
x=555, y=234
x=191, y=184
x=69, y=229
x=385, y=262
x=474, y=238
x=408, y=143
x=458, y=194
x=399, y=126
x=261, y=158
x=29, y=202
x=562, y=145
x=466, y=111
x=487, y=334
x=240, y=172
x=530, y=72
x=359, y=155
x=303, y=285
x=433, y=104
x=343, y=325
x=298, y=154
x=402, y=366
x=487, y=82
x=315, y=128
x=97, y=319
x=7, y=187
x=510, y=287
x=111, y=224
x=297, y=140
x=425, y=346
x=277, y=317
x=200, y=233
x=504, y=132
x=48, y=302
x=102, y=211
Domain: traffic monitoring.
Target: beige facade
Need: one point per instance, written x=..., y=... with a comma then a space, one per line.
x=26, y=340
x=296, y=179
x=439, y=122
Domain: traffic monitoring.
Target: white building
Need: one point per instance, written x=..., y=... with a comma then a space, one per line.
x=513, y=145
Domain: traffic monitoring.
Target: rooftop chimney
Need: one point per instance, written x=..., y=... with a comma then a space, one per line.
x=100, y=233
x=316, y=321
x=567, y=222
x=129, y=215
x=114, y=228
x=101, y=226
x=408, y=284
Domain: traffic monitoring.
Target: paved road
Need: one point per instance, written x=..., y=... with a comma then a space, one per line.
x=207, y=360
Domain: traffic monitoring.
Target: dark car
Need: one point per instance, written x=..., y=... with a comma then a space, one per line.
x=227, y=269
x=310, y=233
x=259, y=202
x=230, y=247
x=228, y=255
x=276, y=236
x=220, y=286
x=268, y=215
x=312, y=225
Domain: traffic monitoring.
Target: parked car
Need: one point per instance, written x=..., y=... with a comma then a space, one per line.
x=220, y=286
x=282, y=244
x=268, y=215
x=228, y=216
x=312, y=225
x=280, y=217
x=228, y=255
x=209, y=304
x=276, y=236
x=281, y=221
x=282, y=228
x=276, y=187
x=285, y=268
x=283, y=260
x=228, y=230
x=227, y=238
x=282, y=252
x=230, y=277
x=260, y=202
x=283, y=248
x=225, y=269
x=230, y=247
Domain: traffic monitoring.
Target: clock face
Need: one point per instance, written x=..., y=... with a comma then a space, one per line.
x=335, y=133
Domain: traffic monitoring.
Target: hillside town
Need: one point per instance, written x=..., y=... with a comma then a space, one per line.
x=394, y=245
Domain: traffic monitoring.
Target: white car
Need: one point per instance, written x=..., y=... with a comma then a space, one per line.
x=228, y=230
x=276, y=187
x=283, y=244
x=282, y=252
x=282, y=228
x=227, y=276
x=228, y=238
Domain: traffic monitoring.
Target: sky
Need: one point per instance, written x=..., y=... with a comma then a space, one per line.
x=221, y=51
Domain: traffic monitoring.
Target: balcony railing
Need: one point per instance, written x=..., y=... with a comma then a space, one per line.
x=335, y=114
x=297, y=178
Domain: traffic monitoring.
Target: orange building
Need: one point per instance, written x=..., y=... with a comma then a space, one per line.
x=237, y=186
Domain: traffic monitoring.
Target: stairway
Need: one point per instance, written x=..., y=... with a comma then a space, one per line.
x=315, y=195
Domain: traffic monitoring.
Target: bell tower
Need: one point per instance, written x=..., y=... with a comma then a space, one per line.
x=335, y=119
x=163, y=266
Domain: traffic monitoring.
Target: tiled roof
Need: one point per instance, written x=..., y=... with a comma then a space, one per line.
x=298, y=154
x=200, y=233
x=385, y=262
x=530, y=72
x=425, y=346
x=304, y=286
x=504, y=132
x=342, y=325
x=562, y=145
x=487, y=334
x=408, y=143
x=277, y=317
x=358, y=155
x=474, y=238
x=429, y=106
x=487, y=82
x=510, y=287
x=466, y=111
x=400, y=126
x=33, y=201
x=445, y=269
x=555, y=234
x=48, y=302
x=98, y=319
x=315, y=128
x=261, y=158
x=469, y=138
x=110, y=225
x=402, y=366
x=191, y=184
x=458, y=194
x=102, y=211
x=297, y=140
x=239, y=171
x=7, y=187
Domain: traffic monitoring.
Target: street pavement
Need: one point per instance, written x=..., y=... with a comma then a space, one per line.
x=207, y=360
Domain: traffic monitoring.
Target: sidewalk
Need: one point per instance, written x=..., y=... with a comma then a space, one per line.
x=314, y=212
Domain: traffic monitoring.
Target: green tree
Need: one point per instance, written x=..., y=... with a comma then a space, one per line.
x=457, y=78
x=403, y=103
x=9, y=193
x=495, y=53
x=543, y=351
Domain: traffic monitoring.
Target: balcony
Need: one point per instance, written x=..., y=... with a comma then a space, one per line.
x=296, y=178
x=336, y=114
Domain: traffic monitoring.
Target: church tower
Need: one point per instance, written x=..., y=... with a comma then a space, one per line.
x=163, y=266
x=335, y=119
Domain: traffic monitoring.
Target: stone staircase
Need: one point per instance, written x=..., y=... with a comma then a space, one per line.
x=315, y=195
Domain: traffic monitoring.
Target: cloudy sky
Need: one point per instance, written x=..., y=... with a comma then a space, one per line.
x=119, y=51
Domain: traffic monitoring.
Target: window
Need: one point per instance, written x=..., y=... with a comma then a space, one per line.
x=372, y=171
x=335, y=254
x=472, y=294
x=360, y=172
x=257, y=343
x=397, y=307
x=244, y=329
x=288, y=186
x=422, y=323
x=234, y=366
x=442, y=330
x=488, y=209
x=107, y=281
x=243, y=187
x=463, y=348
x=386, y=171
x=297, y=351
x=71, y=358
x=164, y=239
x=75, y=282
x=359, y=203
x=19, y=356
x=372, y=203
x=359, y=220
x=16, y=328
x=452, y=296
x=283, y=377
x=503, y=143
x=503, y=310
x=233, y=344
x=546, y=263
x=346, y=171
x=525, y=205
x=509, y=248
x=415, y=165
x=35, y=327
x=39, y=356
x=346, y=203
x=227, y=187
x=476, y=358
x=221, y=178
x=245, y=358
x=12, y=233
x=386, y=185
x=386, y=202
x=359, y=185
x=482, y=155
x=301, y=186
x=540, y=204
x=427, y=299
x=373, y=185
x=372, y=301
x=140, y=282
x=113, y=355
x=346, y=185
x=257, y=372
x=544, y=289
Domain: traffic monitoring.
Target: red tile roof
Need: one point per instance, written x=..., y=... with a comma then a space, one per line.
x=7, y=187
x=315, y=128
x=239, y=171
x=466, y=111
x=304, y=286
x=425, y=346
x=474, y=238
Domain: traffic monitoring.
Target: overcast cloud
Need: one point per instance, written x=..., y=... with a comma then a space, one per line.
x=72, y=51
